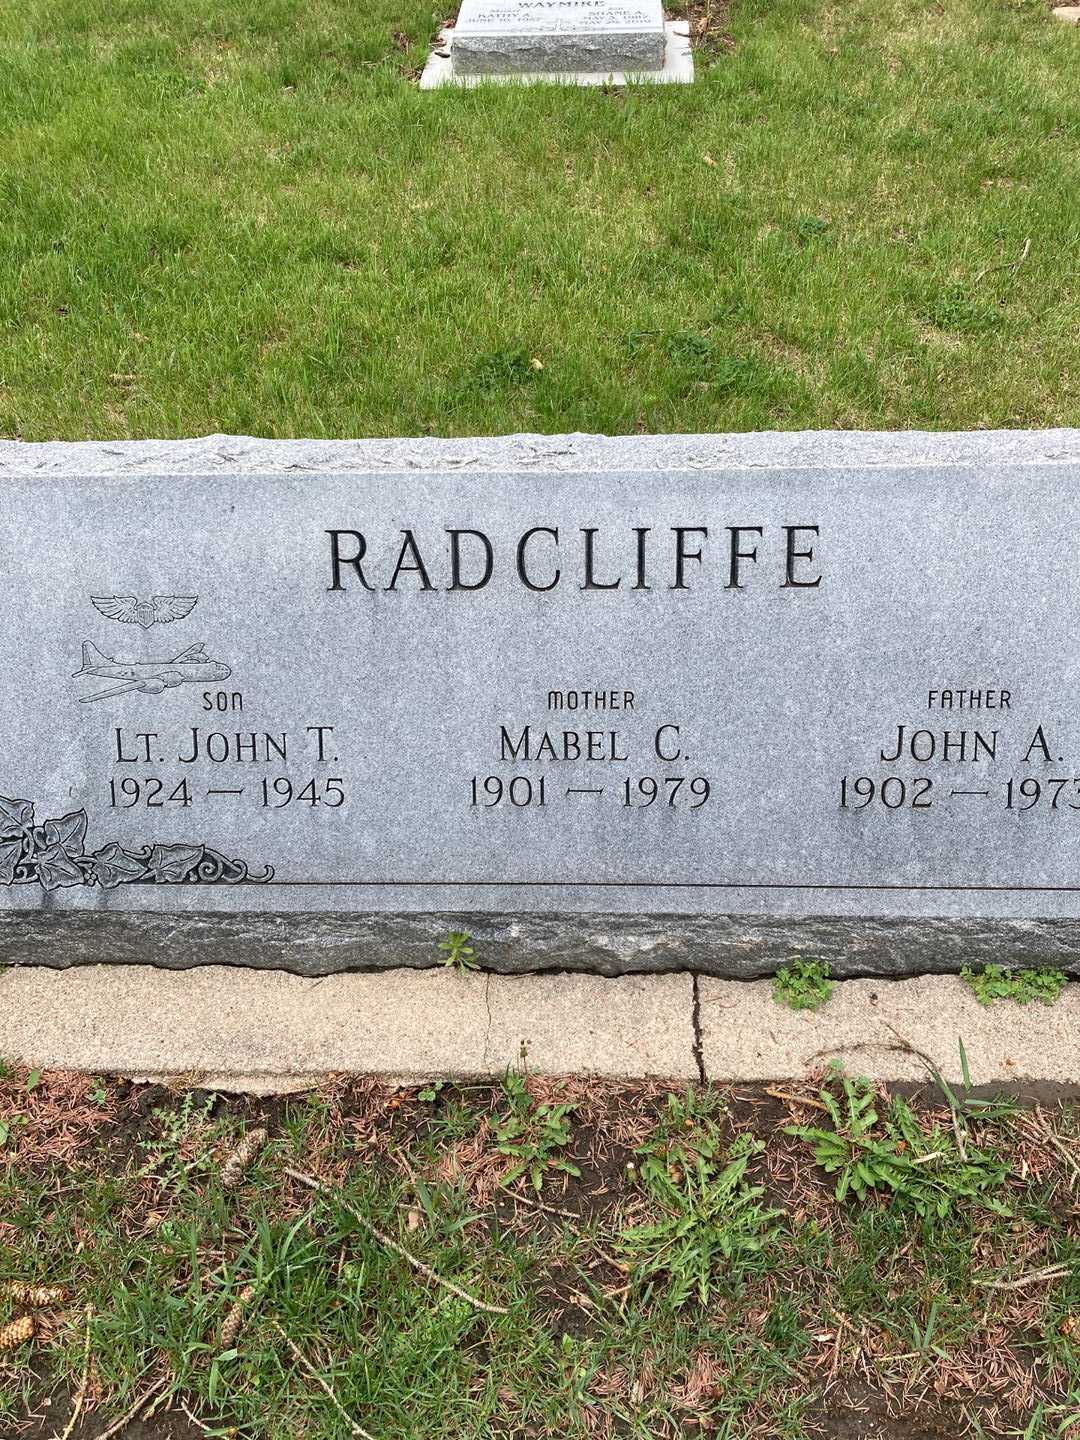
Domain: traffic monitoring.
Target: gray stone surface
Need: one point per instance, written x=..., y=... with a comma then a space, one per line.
x=507, y=37
x=941, y=567
x=531, y=454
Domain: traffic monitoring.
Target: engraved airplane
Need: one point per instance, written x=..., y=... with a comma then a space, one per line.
x=150, y=677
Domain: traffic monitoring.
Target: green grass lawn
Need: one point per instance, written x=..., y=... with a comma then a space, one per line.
x=646, y=1266
x=242, y=216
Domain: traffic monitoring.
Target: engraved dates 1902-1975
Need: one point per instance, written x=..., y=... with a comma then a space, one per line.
x=55, y=855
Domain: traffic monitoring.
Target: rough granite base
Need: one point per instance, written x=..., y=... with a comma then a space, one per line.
x=676, y=67
x=728, y=947
x=554, y=55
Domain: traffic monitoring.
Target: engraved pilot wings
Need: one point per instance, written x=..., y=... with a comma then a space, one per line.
x=131, y=610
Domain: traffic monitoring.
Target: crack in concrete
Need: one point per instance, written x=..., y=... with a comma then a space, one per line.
x=490, y=1022
x=698, y=1046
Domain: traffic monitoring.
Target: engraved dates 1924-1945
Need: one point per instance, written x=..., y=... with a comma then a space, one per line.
x=157, y=768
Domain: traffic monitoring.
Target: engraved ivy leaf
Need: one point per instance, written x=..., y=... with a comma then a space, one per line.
x=15, y=815
x=10, y=854
x=171, y=863
x=55, y=867
x=69, y=832
x=113, y=866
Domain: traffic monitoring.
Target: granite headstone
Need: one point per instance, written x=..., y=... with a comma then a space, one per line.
x=612, y=704
x=513, y=37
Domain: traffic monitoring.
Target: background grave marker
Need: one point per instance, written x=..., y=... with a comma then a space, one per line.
x=577, y=41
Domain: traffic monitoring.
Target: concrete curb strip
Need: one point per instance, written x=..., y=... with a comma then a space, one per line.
x=270, y=1031
x=747, y=1036
x=405, y=1023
